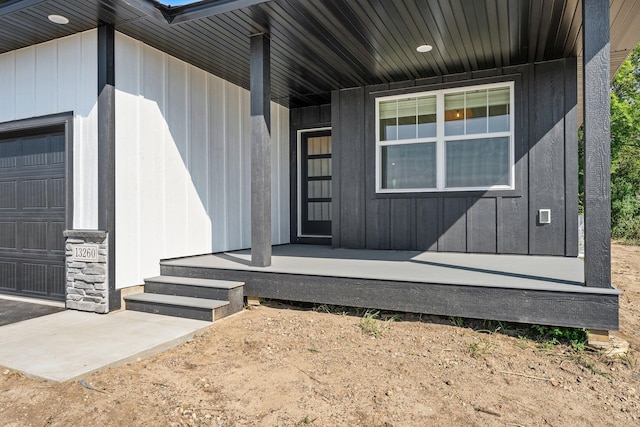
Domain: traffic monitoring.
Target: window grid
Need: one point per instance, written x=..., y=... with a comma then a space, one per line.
x=441, y=139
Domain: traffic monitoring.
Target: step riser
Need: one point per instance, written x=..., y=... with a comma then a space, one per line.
x=234, y=296
x=173, y=310
x=198, y=273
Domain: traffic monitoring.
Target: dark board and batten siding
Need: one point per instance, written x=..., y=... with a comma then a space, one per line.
x=484, y=222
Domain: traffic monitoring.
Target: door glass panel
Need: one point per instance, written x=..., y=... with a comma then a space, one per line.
x=319, y=145
x=319, y=189
x=319, y=211
x=315, y=189
x=318, y=167
x=326, y=189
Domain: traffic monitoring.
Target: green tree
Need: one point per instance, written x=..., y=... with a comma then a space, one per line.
x=625, y=149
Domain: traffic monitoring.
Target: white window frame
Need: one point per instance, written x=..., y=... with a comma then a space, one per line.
x=441, y=140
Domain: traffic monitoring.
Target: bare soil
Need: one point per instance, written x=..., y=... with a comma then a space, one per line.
x=284, y=365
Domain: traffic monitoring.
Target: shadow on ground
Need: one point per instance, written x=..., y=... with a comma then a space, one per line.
x=17, y=311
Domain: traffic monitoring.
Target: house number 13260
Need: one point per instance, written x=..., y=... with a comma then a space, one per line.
x=85, y=253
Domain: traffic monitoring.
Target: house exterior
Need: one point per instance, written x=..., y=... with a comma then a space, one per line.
x=160, y=132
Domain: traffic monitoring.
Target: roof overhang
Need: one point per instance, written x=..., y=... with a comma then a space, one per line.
x=319, y=46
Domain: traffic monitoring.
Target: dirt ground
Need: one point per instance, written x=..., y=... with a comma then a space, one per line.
x=283, y=365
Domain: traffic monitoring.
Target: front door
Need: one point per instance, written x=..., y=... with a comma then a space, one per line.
x=315, y=184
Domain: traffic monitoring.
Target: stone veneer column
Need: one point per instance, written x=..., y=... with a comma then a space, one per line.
x=87, y=269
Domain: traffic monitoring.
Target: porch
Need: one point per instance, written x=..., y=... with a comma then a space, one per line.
x=517, y=288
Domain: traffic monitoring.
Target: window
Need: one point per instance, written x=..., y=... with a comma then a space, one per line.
x=446, y=140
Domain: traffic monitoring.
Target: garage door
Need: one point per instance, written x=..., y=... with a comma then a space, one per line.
x=32, y=214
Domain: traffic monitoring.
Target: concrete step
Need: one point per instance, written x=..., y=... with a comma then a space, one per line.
x=198, y=288
x=178, y=306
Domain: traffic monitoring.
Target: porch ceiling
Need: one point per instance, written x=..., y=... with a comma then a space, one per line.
x=319, y=46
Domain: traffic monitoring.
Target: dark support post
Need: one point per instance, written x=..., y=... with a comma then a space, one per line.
x=107, y=152
x=260, y=151
x=597, y=144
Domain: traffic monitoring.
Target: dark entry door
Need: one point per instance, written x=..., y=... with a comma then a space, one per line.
x=32, y=214
x=315, y=218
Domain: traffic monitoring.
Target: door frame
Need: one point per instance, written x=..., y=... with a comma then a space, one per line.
x=299, y=237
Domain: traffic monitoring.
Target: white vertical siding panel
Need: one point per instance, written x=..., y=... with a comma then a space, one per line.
x=89, y=84
x=152, y=129
x=218, y=164
x=233, y=128
x=69, y=63
x=46, y=78
x=184, y=155
x=85, y=140
x=8, y=86
x=283, y=178
x=245, y=117
x=25, y=82
x=199, y=226
x=128, y=219
x=55, y=77
x=175, y=161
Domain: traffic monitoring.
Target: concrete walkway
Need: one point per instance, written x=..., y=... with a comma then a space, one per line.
x=70, y=344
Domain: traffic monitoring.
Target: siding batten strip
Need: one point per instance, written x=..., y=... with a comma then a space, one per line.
x=260, y=151
x=597, y=143
x=106, y=151
x=571, y=157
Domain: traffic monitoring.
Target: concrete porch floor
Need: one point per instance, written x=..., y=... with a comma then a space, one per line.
x=67, y=345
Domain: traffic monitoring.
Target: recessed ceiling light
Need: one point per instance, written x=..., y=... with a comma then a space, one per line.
x=424, y=48
x=58, y=19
